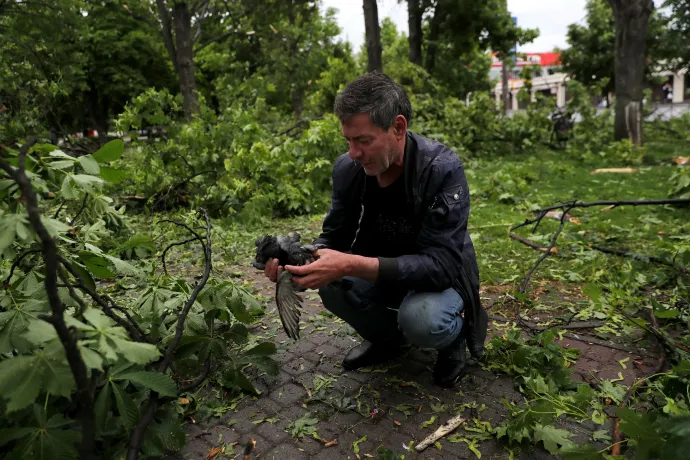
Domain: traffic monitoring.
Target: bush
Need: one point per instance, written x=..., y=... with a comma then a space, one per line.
x=104, y=371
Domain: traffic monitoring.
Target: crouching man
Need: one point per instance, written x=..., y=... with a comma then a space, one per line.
x=396, y=238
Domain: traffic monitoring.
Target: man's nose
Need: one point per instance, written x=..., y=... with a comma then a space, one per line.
x=355, y=153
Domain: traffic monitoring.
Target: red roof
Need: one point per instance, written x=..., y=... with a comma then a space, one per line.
x=540, y=59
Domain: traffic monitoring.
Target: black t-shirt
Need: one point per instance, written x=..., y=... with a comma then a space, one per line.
x=387, y=227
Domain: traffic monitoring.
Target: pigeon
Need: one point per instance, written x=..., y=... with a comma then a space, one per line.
x=288, y=250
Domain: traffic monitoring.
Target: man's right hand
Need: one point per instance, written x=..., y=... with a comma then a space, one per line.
x=272, y=270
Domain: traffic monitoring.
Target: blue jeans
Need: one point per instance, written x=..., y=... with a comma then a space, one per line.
x=393, y=315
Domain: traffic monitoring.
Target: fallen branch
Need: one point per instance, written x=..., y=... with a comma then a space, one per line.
x=523, y=286
x=200, y=379
x=634, y=255
x=594, y=341
x=57, y=318
x=440, y=432
x=531, y=244
x=579, y=204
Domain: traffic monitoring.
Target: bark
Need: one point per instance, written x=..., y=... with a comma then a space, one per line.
x=632, y=19
x=98, y=112
x=434, y=31
x=373, y=36
x=414, y=23
x=505, y=89
x=182, y=19
x=167, y=31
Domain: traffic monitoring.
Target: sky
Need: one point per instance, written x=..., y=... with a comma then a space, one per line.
x=551, y=17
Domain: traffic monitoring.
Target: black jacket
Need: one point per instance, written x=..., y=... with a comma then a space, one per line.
x=436, y=188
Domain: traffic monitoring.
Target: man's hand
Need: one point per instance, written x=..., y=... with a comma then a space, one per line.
x=272, y=270
x=332, y=265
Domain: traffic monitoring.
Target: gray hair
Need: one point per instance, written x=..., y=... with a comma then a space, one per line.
x=377, y=95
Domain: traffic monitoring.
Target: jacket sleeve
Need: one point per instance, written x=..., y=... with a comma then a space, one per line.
x=337, y=231
x=442, y=235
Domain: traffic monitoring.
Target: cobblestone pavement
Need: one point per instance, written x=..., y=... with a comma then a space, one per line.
x=397, y=400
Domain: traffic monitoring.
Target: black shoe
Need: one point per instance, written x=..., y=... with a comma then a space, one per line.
x=369, y=354
x=451, y=364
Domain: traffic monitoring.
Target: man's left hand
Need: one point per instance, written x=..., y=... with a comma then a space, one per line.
x=330, y=266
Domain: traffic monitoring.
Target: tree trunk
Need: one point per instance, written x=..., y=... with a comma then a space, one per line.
x=185, y=57
x=167, y=31
x=373, y=36
x=434, y=30
x=414, y=24
x=505, y=89
x=632, y=18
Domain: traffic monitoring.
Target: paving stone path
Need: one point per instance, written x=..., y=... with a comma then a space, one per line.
x=353, y=405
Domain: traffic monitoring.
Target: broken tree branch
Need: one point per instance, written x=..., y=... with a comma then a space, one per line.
x=523, y=286
x=635, y=255
x=531, y=244
x=440, y=432
x=16, y=263
x=57, y=318
x=200, y=379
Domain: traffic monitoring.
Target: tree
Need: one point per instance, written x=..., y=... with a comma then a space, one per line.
x=673, y=52
x=415, y=11
x=632, y=20
x=590, y=55
x=373, y=36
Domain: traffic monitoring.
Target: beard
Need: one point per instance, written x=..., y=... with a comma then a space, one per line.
x=381, y=165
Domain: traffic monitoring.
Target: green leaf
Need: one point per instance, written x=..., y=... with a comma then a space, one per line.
x=8, y=226
x=10, y=434
x=428, y=422
x=15, y=370
x=112, y=175
x=40, y=331
x=85, y=276
x=101, y=407
x=355, y=444
x=160, y=383
x=137, y=352
x=122, y=267
x=98, y=265
x=89, y=164
x=266, y=364
x=54, y=226
x=614, y=391
x=126, y=407
x=263, y=349
x=235, y=377
x=552, y=438
x=87, y=182
x=640, y=428
x=110, y=152
x=91, y=358
x=586, y=452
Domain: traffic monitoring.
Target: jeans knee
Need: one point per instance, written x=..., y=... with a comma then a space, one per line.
x=431, y=320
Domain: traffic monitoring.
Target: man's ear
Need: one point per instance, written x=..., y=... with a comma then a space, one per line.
x=400, y=126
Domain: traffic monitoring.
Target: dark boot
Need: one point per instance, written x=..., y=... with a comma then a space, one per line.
x=369, y=354
x=451, y=363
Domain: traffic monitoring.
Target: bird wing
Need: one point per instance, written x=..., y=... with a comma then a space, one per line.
x=288, y=305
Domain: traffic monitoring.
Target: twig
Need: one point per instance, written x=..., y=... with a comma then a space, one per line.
x=83, y=206
x=618, y=252
x=523, y=286
x=57, y=319
x=591, y=340
x=57, y=213
x=179, y=243
x=72, y=293
x=132, y=330
x=200, y=379
x=16, y=263
x=440, y=432
x=298, y=124
x=531, y=244
x=152, y=404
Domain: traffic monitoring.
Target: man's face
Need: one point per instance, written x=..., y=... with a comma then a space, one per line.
x=370, y=145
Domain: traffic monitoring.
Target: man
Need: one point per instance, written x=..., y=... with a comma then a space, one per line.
x=396, y=236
